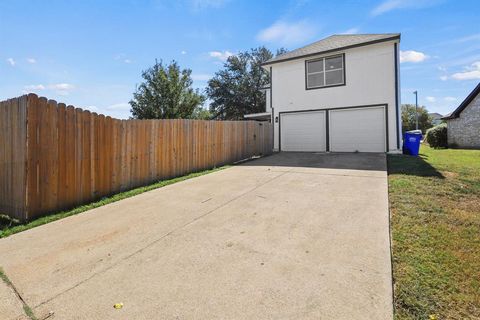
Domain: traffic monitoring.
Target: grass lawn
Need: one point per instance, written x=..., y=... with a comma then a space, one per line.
x=9, y=226
x=435, y=204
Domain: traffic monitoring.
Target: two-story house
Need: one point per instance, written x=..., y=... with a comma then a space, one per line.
x=339, y=94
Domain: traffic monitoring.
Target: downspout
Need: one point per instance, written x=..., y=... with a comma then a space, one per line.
x=397, y=105
x=271, y=108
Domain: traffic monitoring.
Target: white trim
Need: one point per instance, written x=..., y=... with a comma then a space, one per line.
x=257, y=115
x=324, y=71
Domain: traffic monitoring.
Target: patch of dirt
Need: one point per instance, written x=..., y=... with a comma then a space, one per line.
x=449, y=174
x=468, y=204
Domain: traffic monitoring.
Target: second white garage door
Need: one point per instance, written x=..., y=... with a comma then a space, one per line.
x=361, y=130
x=303, y=131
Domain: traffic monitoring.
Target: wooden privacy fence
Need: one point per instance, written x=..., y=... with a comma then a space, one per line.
x=55, y=157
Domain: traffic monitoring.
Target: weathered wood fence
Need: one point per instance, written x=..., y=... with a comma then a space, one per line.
x=55, y=157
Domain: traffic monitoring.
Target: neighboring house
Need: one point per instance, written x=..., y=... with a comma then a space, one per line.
x=463, y=124
x=436, y=118
x=337, y=94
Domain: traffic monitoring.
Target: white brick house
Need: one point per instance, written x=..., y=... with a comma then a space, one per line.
x=463, y=124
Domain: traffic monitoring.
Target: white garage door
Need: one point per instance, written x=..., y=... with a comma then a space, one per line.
x=361, y=130
x=303, y=131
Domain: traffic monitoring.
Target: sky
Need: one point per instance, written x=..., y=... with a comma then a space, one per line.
x=90, y=53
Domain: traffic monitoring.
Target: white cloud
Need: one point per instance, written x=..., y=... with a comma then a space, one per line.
x=11, y=61
x=412, y=56
x=472, y=72
x=123, y=57
x=473, y=37
x=118, y=110
x=92, y=108
x=62, y=89
x=31, y=60
x=467, y=75
x=285, y=33
x=34, y=87
x=450, y=99
x=444, y=78
x=430, y=99
x=183, y=52
x=201, y=77
x=351, y=31
x=220, y=55
x=61, y=86
x=390, y=5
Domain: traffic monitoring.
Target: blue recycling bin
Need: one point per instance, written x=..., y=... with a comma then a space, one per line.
x=411, y=142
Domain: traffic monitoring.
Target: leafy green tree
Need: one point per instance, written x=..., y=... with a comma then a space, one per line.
x=408, y=118
x=235, y=90
x=166, y=93
x=201, y=114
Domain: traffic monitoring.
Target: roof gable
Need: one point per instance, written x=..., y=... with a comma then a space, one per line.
x=464, y=104
x=435, y=115
x=334, y=43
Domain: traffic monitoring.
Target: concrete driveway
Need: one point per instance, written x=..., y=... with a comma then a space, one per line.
x=290, y=236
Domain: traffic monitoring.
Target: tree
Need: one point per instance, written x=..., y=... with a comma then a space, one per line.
x=201, y=114
x=166, y=93
x=235, y=90
x=408, y=118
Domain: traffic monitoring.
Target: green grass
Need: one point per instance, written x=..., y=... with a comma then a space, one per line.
x=26, y=308
x=4, y=278
x=435, y=203
x=9, y=226
x=29, y=312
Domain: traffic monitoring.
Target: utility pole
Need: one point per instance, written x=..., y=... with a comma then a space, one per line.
x=416, y=109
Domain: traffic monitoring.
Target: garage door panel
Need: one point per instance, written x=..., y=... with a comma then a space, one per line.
x=303, y=131
x=361, y=130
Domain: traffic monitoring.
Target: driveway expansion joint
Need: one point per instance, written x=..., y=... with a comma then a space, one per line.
x=330, y=174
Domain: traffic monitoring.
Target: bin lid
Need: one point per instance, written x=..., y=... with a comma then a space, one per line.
x=415, y=131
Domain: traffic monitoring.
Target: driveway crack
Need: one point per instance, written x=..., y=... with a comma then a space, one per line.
x=26, y=308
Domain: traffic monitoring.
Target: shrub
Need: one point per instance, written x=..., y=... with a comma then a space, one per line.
x=437, y=136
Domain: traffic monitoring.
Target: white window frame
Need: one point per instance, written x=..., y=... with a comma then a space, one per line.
x=325, y=85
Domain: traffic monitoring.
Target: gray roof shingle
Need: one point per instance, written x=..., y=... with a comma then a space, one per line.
x=334, y=43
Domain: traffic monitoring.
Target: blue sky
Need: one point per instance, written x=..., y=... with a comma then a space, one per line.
x=90, y=53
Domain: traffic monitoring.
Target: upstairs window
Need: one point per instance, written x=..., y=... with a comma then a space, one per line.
x=325, y=72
